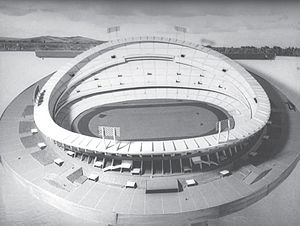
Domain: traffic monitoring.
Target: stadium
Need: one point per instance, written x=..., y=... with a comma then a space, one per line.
x=151, y=129
x=153, y=68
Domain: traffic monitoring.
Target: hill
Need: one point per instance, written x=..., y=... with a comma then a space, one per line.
x=76, y=43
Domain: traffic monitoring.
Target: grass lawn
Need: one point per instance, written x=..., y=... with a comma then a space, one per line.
x=151, y=119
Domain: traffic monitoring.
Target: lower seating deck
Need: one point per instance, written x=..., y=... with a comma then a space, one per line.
x=164, y=165
x=95, y=198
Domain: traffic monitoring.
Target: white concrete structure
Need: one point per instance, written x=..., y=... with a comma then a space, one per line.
x=190, y=182
x=34, y=131
x=59, y=161
x=130, y=184
x=150, y=68
x=93, y=177
x=41, y=145
x=107, y=201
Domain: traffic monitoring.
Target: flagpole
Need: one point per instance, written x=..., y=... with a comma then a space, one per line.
x=103, y=136
x=219, y=132
x=228, y=129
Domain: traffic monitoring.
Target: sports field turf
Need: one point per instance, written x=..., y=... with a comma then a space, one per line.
x=151, y=119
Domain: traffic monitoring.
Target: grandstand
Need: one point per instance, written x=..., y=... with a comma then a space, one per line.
x=146, y=68
x=67, y=137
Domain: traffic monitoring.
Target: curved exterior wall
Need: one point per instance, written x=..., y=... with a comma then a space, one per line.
x=109, y=202
x=243, y=93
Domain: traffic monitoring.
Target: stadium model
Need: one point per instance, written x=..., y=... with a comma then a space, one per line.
x=153, y=68
x=88, y=159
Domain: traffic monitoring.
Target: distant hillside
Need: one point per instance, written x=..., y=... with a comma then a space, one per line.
x=76, y=43
x=251, y=52
x=51, y=46
x=42, y=39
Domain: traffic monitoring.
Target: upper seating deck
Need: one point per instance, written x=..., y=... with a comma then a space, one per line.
x=180, y=69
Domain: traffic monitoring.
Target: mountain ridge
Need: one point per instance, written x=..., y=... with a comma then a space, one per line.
x=49, y=39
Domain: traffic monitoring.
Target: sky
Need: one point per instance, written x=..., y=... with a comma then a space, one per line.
x=220, y=23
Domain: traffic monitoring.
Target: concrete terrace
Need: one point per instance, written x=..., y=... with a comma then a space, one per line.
x=146, y=68
x=109, y=202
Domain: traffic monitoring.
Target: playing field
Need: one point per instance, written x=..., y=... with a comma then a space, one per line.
x=151, y=119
